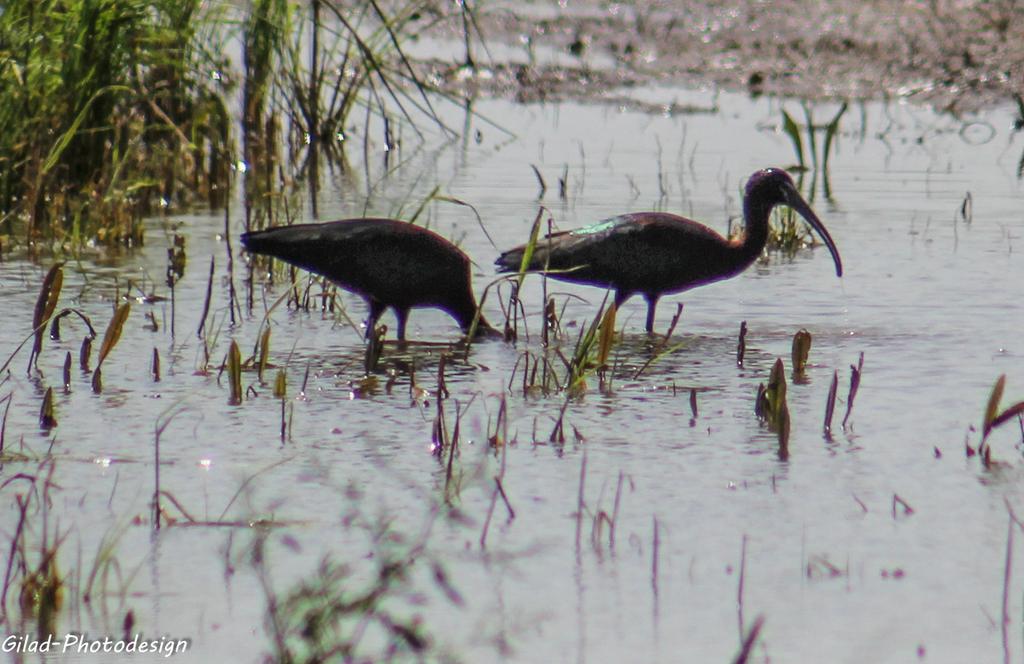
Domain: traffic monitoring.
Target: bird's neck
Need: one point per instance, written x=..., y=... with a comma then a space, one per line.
x=755, y=230
x=465, y=312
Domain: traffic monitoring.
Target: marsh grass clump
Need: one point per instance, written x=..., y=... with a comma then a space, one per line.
x=44, y=313
x=787, y=233
x=115, y=113
x=590, y=355
x=592, y=350
x=538, y=375
x=123, y=108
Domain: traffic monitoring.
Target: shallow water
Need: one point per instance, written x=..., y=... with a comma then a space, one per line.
x=929, y=299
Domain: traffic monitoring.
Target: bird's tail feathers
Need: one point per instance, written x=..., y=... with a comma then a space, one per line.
x=510, y=261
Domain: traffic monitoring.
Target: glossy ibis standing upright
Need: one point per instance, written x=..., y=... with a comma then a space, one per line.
x=390, y=263
x=654, y=253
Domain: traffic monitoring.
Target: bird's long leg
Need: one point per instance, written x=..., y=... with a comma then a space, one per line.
x=403, y=314
x=652, y=304
x=620, y=298
x=376, y=309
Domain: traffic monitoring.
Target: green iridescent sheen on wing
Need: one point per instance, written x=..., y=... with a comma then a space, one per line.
x=600, y=227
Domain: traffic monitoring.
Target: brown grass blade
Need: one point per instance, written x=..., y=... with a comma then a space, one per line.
x=830, y=403
x=85, y=353
x=235, y=374
x=113, y=333
x=524, y=264
x=801, y=350
x=992, y=409
x=741, y=345
x=761, y=403
x=607, y=336
x=67, y=372
x=1016, y=410
x=47, y=420
x=280, y=385
x=854, y=385
x=264, y=352
x=747, y=647
x=776, y=391
x=45, y=304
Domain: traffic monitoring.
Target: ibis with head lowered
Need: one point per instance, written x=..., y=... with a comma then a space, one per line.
x=390, y=263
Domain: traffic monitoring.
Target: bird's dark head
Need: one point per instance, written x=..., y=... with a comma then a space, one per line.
x=769, y=187
x=772, y=186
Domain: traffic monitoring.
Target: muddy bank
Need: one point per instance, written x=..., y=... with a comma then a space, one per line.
x=955, y=56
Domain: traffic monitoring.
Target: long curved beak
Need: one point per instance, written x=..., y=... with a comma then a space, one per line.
x=797, y=202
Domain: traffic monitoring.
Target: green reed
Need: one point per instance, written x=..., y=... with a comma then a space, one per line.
x=123, y=109
x=114, y=113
